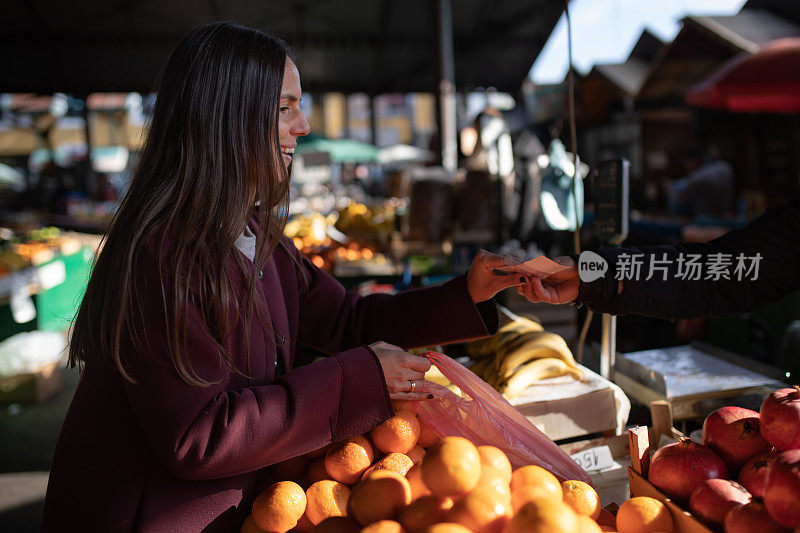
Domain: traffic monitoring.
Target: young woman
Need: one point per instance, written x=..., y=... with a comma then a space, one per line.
x=188, y=329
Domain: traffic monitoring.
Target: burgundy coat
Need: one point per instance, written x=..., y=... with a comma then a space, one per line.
x=161, y=455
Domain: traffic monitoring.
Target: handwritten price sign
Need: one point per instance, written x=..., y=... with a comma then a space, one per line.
x=594, y=459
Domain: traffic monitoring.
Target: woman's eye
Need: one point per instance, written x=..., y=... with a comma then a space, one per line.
x=284, y=110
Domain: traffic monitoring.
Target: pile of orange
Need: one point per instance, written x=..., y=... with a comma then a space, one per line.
x=403, y=478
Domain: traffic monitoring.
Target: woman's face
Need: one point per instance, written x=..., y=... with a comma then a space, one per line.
x=291, y=122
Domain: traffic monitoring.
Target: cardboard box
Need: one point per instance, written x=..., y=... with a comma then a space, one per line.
x=33, y=387
x=563, y=408
x=641, y=451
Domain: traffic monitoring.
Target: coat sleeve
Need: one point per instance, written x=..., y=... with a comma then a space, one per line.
x=221, y=431
x=333, y=319
x=775, y=237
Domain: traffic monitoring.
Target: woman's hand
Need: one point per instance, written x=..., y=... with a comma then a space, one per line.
x=482, y=284
x=559, y=288
x=400, y=369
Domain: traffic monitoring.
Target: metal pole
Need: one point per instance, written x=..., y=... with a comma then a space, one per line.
x=608, y=346
x=446, y=89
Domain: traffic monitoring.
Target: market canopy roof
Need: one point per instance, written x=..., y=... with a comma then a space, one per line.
x=767, y=81
x=373, y=46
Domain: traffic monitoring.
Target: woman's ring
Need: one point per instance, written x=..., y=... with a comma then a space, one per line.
x=413, y=385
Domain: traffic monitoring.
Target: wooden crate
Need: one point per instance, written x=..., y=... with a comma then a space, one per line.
x=641, y=450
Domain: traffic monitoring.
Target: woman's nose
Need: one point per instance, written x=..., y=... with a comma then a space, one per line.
x=301, y=126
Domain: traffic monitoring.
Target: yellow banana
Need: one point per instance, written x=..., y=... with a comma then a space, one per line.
x=521, y=325
x=518, y=341
x=480, y=367
x=545, y=345
x=533, y=371
x=480, y=348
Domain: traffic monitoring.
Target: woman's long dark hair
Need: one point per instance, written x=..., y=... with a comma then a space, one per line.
x=212, y=153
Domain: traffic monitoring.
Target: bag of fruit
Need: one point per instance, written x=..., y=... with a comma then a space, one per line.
x=484, y=417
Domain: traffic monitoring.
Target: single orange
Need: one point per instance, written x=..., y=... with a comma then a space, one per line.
x=424, y=512
x=418, y=488
x=316, y=471
x=416, y=454
x=544, y=515
x=326, y=498
x=447, y=527
x=643, y=514
x=405, y=405
x=249, y=526
x=347, y=462
x=384, y=526
x=494, y=457
x=279, y=507
x=396, y=462
x=337, y=524
x=587, y=525
x=533, y=482
x=452, y=467
x=482, y=510
x=582, y=498
x=534, y=475
x=427, y=435
x=492, y=477
x=398, y=434
x=379, y=497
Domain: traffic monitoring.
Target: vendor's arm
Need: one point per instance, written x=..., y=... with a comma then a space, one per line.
x=775, y=237
x=218, y=431
x=333, y=319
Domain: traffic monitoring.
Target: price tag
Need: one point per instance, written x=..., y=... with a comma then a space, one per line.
x=594, y=459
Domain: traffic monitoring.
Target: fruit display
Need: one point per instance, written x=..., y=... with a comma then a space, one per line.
x=780, y=419
x=358, y=218
x=520, y=354
x=34, y=248
x=310, y=235
x=391, y=480
x=679, y=469
x=759, y=449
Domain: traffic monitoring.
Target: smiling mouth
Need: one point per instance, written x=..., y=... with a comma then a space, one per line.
x=287, y=151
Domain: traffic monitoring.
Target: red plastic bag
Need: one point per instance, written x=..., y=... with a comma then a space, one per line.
x=484, y=417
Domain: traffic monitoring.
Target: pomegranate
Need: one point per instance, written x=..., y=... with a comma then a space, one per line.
x=733, y=432
x=712, y=500
x=754, y=473
x=782, y=489
x=780, y=419
x=751, y=517
x=678, y=469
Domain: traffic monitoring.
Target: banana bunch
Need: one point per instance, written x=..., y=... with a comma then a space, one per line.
x=521, y=353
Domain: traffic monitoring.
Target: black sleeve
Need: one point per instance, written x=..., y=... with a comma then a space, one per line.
x=749, y=283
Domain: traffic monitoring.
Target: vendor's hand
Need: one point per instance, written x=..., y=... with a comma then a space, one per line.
x=482, y=284
x=559, y=288
x=400, y=368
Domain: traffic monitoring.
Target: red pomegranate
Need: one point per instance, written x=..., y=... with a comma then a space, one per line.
x=749, y=518
x=712, y=500
x=678, y=469
x=754, y=473
x=782, y=489
x=780, y=419
x=733, y=432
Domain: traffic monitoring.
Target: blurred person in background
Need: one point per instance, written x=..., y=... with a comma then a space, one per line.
x=708, y=189
x=188, y=330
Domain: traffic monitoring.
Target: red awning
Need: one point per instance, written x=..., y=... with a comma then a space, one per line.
x=767, y=81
